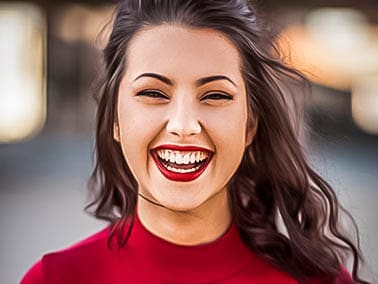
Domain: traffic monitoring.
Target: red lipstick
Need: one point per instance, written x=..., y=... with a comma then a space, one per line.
x=197, y=169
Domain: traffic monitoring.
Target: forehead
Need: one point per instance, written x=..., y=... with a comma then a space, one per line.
x=174, y=50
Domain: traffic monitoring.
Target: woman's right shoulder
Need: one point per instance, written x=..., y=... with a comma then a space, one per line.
x=34, y=275
x=88, y=250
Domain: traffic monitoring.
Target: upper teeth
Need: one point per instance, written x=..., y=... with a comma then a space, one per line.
x=178, y=157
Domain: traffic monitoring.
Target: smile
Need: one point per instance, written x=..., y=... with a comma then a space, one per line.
x=181, y=163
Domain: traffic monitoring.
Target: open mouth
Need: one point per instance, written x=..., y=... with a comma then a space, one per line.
x=181, y=165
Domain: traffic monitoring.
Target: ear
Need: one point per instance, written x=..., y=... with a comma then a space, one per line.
x=251, y=131
x=116, y=132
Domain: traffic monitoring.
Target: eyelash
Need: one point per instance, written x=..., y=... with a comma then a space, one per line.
x=151, y=94
x=159, y=95
x=217, y=97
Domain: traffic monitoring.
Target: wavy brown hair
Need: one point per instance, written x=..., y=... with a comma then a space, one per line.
x=273, y=180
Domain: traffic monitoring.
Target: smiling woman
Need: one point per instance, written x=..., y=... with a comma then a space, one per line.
x=197, y=160
x=195, y=108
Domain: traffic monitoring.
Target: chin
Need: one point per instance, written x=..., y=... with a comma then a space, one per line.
x=181, y=205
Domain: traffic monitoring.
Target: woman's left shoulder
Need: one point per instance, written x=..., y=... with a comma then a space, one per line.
x=344, y=277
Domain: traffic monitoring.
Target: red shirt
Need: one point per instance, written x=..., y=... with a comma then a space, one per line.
x=147, y=258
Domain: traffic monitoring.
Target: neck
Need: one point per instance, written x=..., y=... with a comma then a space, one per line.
x=200, y=225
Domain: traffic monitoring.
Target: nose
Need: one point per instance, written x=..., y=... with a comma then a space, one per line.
x=183, y=120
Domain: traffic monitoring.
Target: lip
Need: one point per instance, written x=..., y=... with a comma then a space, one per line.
x=183, y=177
x=182, y=148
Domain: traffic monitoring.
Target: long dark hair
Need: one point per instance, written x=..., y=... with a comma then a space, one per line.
x=273, y=180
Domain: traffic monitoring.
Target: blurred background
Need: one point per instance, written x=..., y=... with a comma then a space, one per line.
x=49, y=58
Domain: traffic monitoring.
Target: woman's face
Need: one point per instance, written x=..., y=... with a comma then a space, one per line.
x=182, y=114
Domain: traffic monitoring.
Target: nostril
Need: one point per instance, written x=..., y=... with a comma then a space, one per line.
x=184, y=128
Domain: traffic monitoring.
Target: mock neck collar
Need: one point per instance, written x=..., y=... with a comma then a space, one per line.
x=210, y=261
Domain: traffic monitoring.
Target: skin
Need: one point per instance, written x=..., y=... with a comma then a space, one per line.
x=192, y=212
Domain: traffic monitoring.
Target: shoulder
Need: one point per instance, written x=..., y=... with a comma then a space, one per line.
x=264, y=272
x=34, y=275
x=259, y=270
x=88, y=250
x=344, y=277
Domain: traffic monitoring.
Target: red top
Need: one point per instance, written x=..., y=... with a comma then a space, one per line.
x=147, y=258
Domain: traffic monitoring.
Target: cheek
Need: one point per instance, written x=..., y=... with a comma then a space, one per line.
x=138, y=128
x=228, y=134
x=137, y=121
x=228, y=126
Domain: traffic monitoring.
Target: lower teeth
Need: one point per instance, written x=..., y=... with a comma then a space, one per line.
x=182, y=171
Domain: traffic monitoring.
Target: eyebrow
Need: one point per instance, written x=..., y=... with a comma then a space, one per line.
x=199, y=82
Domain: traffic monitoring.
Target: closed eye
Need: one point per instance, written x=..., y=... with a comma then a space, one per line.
x=160, y=96
x=152, y=94
x=217, y=97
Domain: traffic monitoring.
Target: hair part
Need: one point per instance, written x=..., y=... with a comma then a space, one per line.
x=273, y=178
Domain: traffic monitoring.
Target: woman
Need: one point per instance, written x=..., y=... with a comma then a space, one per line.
x=198, y=162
